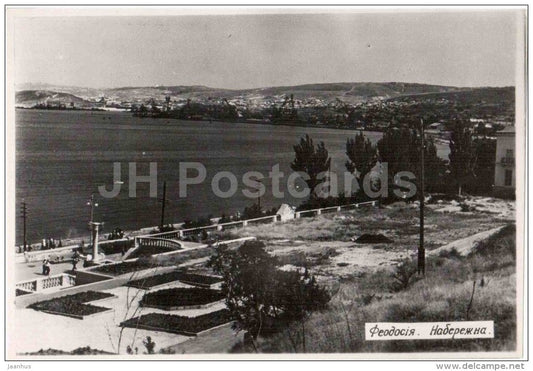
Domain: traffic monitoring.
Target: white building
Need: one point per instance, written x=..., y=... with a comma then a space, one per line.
x=504, y=172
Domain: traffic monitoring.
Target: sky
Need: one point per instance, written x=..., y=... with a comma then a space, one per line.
x=453, y=48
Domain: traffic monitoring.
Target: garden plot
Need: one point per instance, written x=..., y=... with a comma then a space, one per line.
x=187, y=278
x=181, y=298
x=122, y=268
x=74, y=306
x=179, y=324
x=101, y=331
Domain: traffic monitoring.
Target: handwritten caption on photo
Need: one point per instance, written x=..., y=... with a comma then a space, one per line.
x=376, y=331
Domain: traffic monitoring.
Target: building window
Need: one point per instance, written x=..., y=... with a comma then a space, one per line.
x=508, y=178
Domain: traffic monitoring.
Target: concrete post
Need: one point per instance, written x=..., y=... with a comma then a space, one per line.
x=96, y=229
x=319, y=211
x=39, y=284
x=245, y=223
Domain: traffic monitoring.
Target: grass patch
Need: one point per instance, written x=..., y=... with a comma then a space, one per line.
x=398, y=224
x=149, y=251
x=180, y=297
x=124, y=267
x=188, y=326
x=183, y=257
x=20, y=292
x=160, y=279
x=73, y=305
x=442, y=295
x=115, y=247
x=82, y=351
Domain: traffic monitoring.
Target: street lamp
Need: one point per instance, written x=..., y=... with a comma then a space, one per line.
x=92, y=204
x=421, y=264
x=259, y=195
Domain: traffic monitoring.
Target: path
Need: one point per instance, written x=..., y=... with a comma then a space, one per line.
x=219, y=340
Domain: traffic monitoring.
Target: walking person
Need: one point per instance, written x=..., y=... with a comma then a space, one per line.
x=75, y=259
x=44, y=267
x=47, y=267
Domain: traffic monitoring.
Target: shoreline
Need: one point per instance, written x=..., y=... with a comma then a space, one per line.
x=204, y=121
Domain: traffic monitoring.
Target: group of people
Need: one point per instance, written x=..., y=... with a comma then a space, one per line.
x=46, y=244
x=76, y=258
x=50, y=243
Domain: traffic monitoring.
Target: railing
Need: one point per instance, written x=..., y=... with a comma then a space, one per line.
x=192, y=231
x=314, y=212
x=50, y=282
x=264, y=219
x=45, y=283
x=169, y=235
x=179, y=234
x=231, y=225
x=28, y=286
x=157, y=242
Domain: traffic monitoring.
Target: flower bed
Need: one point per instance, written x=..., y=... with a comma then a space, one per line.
x=149, y=251
x=161, y=279
x=122, y=268
x=20, y=292
x=174, y=298
x=73, y=305
x=199, y=280
x=116, y=247
x=188, y=326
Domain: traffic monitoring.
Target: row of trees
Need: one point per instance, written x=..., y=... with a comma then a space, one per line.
x=470, y=166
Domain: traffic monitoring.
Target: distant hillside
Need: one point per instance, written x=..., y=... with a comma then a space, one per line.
x=361, y=89
x=349, y=92
x=505, y=95
x=74, y=90
x=32, y=97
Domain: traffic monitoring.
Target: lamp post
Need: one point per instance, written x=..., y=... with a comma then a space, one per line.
x=421, y=264
x=92, y=204
x=259, y=195
x=163, y=200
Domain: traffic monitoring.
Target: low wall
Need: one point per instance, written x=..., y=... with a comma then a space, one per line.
x=33, y=256
x=25, y=300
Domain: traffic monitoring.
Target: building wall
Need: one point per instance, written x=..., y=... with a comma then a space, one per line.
x=504, y=144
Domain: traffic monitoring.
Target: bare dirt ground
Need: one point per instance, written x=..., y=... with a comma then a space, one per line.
x=326, y=243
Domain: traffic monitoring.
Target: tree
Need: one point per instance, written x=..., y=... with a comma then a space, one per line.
x=361, y=156
x=257, y=292
x=312, y=161
x=434, y=168
x=400, y=149
x=248, y=283
x=485, y=152
x=462, y=154
x=298, y=294
x=253, y=211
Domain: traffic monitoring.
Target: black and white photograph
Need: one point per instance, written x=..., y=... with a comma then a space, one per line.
x=265, y=182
